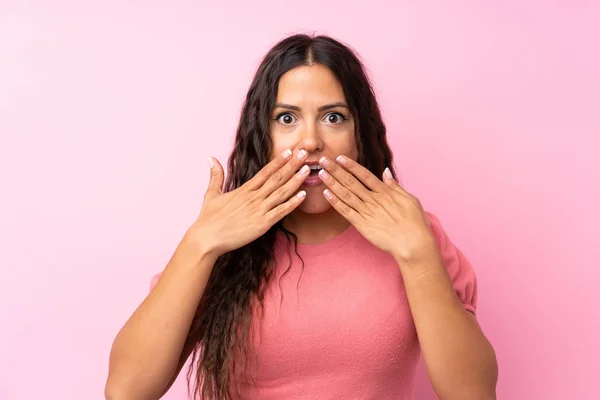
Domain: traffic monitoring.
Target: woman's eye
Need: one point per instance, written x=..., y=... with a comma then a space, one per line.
x=334, y=118
x=286, y=119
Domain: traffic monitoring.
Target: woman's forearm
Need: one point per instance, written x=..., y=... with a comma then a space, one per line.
x=460, y=361
x=147, y=352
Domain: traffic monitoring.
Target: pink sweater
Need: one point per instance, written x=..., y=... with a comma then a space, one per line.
x=344, y=329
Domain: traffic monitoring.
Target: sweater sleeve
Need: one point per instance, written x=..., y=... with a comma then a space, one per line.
x=459, y=268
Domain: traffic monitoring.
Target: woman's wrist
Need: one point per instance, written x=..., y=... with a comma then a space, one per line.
x=425, y=256
x=197, y=249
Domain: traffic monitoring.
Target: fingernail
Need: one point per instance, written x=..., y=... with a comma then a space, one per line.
x=328, y=194
x=211, y=163
x=324, y=162
x=301, y=154
x=323, y=174
x=341, y=160
x=301, y=194
x=304, y=170
x=286, y=154
x=388, y=173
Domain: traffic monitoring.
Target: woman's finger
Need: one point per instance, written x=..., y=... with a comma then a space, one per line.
x=215, y=185
x=345, y=178
x=281, y=176
x=391, y=182
x=268, y=170
x=360, y=172
x=284, y=192
x=284, y=209
x=342, y=191
x=344, y=209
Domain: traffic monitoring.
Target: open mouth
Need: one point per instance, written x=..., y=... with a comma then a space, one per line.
x=314, y=169
x=313, y=179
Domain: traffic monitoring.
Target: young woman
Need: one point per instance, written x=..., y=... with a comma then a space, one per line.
x=312, y=274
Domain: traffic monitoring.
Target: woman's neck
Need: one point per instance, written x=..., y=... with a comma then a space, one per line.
x=315, y=228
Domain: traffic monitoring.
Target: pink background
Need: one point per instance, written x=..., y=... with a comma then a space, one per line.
x=108, y=112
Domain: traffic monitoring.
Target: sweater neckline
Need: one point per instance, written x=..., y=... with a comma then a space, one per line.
x=344, y=239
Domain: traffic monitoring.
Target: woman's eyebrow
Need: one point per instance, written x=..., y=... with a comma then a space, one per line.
x=334, y=105
x=322, y=108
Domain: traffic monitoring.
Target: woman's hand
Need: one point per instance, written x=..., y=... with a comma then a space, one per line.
x=382, y=211
x=231, y=220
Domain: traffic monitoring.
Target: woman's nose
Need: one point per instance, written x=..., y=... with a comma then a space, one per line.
x=311, y=140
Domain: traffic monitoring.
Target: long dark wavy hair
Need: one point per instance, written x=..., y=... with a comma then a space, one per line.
x=222, y=328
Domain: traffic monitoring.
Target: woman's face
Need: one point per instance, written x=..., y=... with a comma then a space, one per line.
x=311, y=113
